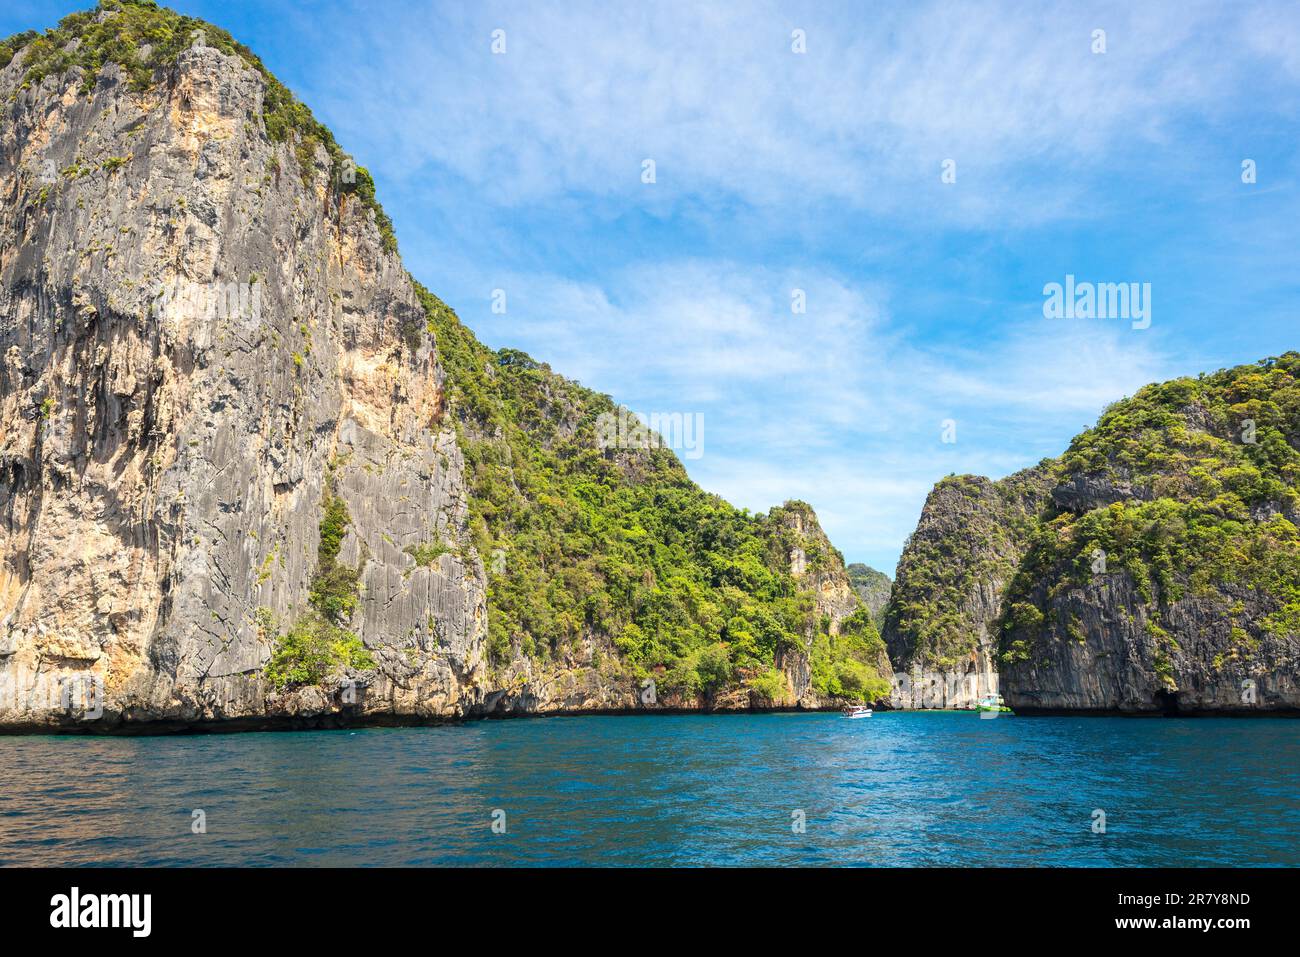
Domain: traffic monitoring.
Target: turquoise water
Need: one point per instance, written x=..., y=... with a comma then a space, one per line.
x=896, y=789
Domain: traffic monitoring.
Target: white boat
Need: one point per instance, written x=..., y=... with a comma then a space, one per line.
x=856, y=711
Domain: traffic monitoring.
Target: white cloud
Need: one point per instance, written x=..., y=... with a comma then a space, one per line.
x=1054, y=367
x=821, y=172
x=716, y=97
x=836, y=406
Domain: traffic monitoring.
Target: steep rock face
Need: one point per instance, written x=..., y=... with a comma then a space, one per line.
x=198, y=339
x=1154, y=568
x=251, y=473
x=873, y=587
x=1103, y=645
x=940, y=624
x=818, y=566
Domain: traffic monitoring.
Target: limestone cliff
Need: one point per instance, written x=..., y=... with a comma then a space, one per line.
x=1153, y=568
x=198, y=339
x=817, y=675
x=873, y=587
x=250, y=472
x=941, y=621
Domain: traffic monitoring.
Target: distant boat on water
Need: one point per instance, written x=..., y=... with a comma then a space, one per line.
x=992, y=704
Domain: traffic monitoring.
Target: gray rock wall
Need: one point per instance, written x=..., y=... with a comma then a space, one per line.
x=202, y=342
x=198, y=338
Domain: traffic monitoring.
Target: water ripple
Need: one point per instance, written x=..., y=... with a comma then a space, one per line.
x=900, y=789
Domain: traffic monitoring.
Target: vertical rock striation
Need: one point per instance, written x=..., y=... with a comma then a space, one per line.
x=202, y=340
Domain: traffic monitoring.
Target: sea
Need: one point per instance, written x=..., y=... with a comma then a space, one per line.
x=900, y=789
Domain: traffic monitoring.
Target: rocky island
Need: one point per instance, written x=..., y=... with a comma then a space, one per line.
x=1153, y=568
x=254, y=475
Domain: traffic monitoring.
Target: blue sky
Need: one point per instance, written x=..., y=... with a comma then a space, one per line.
x=821, y=171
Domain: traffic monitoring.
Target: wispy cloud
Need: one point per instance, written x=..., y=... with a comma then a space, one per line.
x=715, y=95
x=836, y=405
x=821, y=171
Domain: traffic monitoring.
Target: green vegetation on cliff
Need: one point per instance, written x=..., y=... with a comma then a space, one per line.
x=850, y=664
x=145, y=40
x=873, y=587
x=618, y=545
x=1196, y=493
x=976, y=533
x=318, y=645
x=1188, y=492
x=312, y=651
